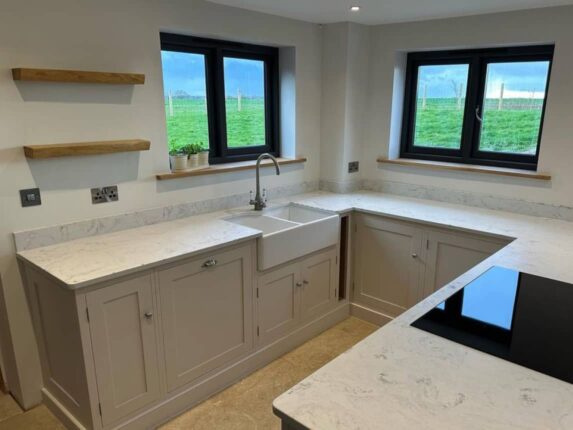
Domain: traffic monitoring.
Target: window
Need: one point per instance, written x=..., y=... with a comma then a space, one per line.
x=221, y=95
x=477, y=106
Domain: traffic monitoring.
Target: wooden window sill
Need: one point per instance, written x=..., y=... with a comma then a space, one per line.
x=438, y=165
x=226, y=168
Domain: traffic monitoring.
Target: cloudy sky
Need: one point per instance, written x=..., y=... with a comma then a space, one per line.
x=186, y=72
x=521, y=80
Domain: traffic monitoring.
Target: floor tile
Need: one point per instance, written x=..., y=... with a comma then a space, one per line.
x=37, y=418
x=8, y=407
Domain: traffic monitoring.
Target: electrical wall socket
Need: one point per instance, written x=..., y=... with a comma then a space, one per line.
x=353, y=166
x=30, y=197
x=104, y=195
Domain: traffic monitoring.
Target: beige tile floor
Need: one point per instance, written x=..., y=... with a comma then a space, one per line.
x=247, y=405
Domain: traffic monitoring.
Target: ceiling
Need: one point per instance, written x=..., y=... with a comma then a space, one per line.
x=384, y=11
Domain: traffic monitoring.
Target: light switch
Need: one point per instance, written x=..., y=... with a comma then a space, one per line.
x=30, y=197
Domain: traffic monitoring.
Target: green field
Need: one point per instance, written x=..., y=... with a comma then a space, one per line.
x=188, y=124
x=514, y=128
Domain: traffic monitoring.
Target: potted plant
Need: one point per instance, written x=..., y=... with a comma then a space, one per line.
x=192, y=152
x=178, y=159
x=203, y=155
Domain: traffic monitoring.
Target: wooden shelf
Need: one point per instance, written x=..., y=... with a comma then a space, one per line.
x=77, y=76
x=85, y=148
x=226, y=168
x=437, y=165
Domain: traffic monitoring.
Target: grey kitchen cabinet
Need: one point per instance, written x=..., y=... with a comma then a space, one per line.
x=123, y=331
x=387, y=269
x=206, y=307
x=295, y=293
x=319, y=284
x=450, y=254
x=399, y=263
x=278, y=302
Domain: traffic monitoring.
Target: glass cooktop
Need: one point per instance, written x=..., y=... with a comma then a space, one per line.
x=522, y=318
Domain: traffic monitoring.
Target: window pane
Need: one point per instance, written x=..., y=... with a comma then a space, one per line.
x=245, y=102
x=185, y=98
x=440, y=101
x=513, y=105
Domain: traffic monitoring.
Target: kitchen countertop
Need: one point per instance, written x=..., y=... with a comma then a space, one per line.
x=83, y=262
x=399, y=377
x=404, y=378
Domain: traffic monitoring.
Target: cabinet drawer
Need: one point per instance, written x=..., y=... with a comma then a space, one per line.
x=206, y=307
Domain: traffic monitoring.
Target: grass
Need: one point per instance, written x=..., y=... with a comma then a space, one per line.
x=188, y=124
x=514, y=128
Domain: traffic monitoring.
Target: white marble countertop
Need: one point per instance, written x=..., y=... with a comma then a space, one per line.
x=83, y=262
x=404, y=378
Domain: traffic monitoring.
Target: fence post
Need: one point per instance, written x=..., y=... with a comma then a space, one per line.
x=170, y=103
x=239, y=100
x=500, y=102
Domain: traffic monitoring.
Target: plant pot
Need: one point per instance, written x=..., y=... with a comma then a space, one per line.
x=193, y=161
x=204, y=158
x=178, y=162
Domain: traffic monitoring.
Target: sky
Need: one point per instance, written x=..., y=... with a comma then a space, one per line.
x=521, y=80
x=184, y=72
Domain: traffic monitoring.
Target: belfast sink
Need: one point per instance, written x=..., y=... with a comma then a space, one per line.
x=289, y=232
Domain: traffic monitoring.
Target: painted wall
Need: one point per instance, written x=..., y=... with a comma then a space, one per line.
x=345, y=61
x=551, y=25
x=113, y=35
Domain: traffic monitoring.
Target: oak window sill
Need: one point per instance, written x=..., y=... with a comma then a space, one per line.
x=489, y=170
x=226, y=168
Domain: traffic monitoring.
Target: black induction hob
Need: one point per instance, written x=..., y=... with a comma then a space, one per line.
x=522, y=318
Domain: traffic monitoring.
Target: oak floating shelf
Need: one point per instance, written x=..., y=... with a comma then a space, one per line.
x=77, y=76
x=437, y=165
x=226, y=168
x=85, y=148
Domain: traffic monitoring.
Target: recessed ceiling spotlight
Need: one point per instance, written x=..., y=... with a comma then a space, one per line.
x=354, y=8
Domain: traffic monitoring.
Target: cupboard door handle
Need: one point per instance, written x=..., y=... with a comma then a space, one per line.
x=414, y=255
x=148, y=315
x=210, y=263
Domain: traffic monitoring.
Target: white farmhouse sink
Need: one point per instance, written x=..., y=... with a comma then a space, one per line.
x=290, y=232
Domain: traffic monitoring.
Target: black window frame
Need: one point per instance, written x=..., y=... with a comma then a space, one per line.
x=477, y=60
x=215, y=51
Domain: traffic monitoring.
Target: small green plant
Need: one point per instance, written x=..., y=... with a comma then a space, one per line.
x=192, y=149
x=176, y=151
x=202, y=147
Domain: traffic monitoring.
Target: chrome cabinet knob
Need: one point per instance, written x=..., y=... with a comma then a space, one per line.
x=148, y=315
x=414, y=255
x=299, y=284
x=210, y=263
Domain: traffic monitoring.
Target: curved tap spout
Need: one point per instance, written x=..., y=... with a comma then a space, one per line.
x=259, y=201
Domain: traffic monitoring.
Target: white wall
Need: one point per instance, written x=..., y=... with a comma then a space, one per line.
x=116, y=35
x=345, y=51
x=514, y=28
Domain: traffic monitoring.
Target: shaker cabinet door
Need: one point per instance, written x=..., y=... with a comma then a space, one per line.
x=206, y=307
x=319, y=284
x=278, y=302
x=122, y=325
x=388, y=265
